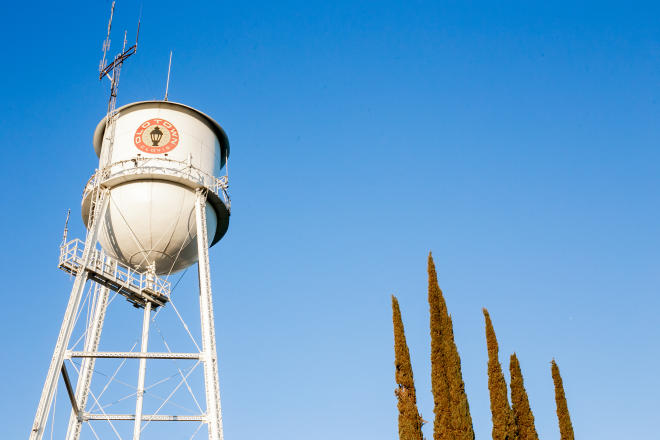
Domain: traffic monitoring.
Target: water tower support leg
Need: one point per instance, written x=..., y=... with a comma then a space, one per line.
x=68, y=322
x=212, y=385
x=137, y=428
x=87, y=368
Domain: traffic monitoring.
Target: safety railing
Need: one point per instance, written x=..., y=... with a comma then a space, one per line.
x=111, y=273
x=161, y=166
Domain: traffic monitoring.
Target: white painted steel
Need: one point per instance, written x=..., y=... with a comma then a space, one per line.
x=146, y=417
x=137, y=287
x=211, y=381
x=200, y=137
x=87, y=368
x=137, y=427
x=150, y=218
x=153, y=221
x=68, y=322
x=131, y=355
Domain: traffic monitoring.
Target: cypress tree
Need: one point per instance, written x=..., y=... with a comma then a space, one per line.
x=565, y=425
x=522, y=413
x=504, y=427
x=439, y=383
x=452, y=411
x=410, y=422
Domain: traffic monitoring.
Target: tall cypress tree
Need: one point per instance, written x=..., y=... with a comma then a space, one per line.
x=410, y=422
x=504, y=427
x=452, y=411
x=439, y=383
x=461, y=420
x=565, y=425
x=522, y=413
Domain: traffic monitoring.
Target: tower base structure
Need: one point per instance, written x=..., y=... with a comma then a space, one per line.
x=144, y=290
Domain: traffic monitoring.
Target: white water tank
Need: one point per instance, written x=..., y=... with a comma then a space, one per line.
x=162, y=152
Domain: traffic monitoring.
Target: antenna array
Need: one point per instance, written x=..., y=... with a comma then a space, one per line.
x=112, y=71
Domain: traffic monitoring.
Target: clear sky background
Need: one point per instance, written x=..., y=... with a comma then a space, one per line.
x=519, y=141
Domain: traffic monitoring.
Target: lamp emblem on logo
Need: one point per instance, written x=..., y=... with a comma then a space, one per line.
x=156, y=136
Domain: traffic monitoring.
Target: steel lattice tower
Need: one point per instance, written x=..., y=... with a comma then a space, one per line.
x=154, y=206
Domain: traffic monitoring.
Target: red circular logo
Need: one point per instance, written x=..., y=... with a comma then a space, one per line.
x=156, y=136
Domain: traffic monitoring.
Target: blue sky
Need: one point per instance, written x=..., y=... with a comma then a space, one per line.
x=518, y=141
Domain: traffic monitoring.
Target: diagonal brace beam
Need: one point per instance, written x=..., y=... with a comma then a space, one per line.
x=70, y=392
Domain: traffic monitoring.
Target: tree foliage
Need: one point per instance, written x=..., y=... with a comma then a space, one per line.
x=439, y=385
x=504, y=427
x=522, y=413
x=410, y=422
x=511, y=421
x=565, y=425
x=452, y=411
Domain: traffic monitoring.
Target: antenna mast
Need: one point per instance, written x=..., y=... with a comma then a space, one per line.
x=112, y=71
x=66, y=228
x=167, y=86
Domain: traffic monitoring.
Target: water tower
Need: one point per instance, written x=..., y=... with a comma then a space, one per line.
x=154, y=206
